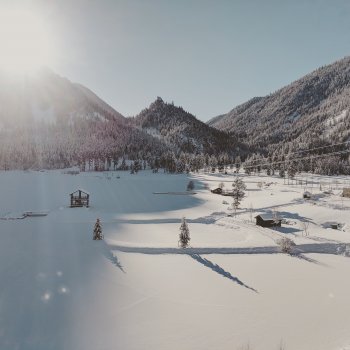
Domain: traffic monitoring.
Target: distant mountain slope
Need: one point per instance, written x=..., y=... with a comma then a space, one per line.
x=310, y=111
x=48, y=121
x=49, y=98
x=181, y=130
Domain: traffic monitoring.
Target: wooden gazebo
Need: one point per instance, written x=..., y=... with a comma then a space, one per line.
x=79, y=198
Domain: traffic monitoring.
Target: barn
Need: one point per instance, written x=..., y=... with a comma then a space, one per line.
x=268, y=220
x=346, y=192
x=79, y=198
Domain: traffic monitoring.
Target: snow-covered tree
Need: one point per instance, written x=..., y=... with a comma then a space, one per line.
x=238, y=192
x=184, y=237
x=286, y=245
x=98, y=231
x=291, y=170
x=238, y=163
x=190, y=186
x=281, y=172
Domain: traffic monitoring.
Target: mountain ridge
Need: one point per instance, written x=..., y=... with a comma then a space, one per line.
x=315, y=97
x=178, y=127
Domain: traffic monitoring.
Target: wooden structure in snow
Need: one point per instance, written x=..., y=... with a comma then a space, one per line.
x=217, y=190
x=267, y=220
x=79, y=198
x=346, y=192
x=307, y=195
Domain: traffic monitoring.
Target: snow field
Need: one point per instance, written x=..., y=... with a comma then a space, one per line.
x=61, y=290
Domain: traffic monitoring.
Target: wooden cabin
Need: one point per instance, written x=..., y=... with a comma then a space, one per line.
x=307, y=195
x=217, y=190
x=346, y=192
x=267, y=220
x=79, y=198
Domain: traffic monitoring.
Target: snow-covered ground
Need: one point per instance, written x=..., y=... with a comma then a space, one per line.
x=231, y=289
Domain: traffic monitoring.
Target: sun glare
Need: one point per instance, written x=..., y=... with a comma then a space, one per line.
x=25, y=41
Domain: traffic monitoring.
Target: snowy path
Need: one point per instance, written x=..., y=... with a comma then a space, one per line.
x=320, y=248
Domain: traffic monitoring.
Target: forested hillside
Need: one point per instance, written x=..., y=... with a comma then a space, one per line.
x=46, y=121
x=184, y=131
x=309, y=113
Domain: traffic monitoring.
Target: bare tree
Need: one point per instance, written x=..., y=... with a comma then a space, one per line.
x=286, y=245
x=238, y=193
x=305, y=227
x=251, y=212
x=245, y=347
x=276, y=216
x=282, y=345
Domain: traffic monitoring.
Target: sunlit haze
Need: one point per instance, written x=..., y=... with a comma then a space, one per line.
x=25, y=41
x=206, y=56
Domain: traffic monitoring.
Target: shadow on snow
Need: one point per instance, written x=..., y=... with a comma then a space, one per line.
x=218, y=269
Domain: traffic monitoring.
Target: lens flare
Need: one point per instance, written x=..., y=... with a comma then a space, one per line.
x=25, y=41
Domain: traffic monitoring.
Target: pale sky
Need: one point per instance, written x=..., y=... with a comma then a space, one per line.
x=205, y=55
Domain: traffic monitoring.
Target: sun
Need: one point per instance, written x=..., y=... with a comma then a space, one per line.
x=25, y=41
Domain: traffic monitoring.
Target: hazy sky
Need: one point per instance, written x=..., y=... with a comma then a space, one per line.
x=207, y=56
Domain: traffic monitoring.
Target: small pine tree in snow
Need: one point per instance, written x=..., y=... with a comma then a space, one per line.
x=184, y=234
x=190, y=186
x=98, y=231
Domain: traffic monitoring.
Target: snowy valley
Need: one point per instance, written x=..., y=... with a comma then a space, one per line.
x=232, y=288
x=148, y=201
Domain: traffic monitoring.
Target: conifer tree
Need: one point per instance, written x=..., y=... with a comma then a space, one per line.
x=190, y=186
x=98, y=231
x=184, y=234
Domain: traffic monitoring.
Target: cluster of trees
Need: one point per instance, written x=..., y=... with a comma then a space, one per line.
x=91, y=144
x=289, y=164
x=186, y=162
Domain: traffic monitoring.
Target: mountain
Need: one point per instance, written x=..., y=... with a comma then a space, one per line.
x=46, y=97
x=311, y=111
x=182, y=131
x=47, y=121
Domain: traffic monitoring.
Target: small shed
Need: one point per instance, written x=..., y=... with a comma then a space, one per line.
x=79, y=198
x=346, y=192
x=307, y=195
x=267, y=220
x=217, y=190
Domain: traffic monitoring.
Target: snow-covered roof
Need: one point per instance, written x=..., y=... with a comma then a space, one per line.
x=268, y=216
x=80, y=189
